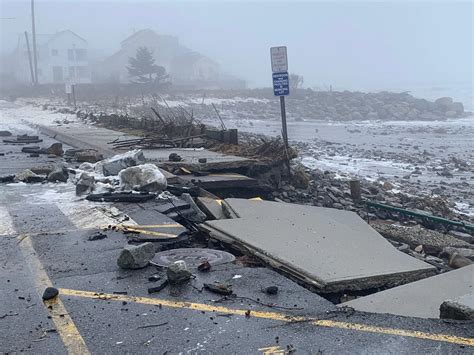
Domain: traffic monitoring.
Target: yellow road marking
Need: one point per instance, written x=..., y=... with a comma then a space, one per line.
x=65, y=326
x=158, y=234
x=274, y=316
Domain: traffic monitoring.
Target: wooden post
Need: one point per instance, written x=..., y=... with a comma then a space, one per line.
x=29, y=58
x=33, y=31
x=73, y=87
x=355, y=190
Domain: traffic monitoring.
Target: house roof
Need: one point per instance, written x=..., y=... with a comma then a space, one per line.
x=44, y=39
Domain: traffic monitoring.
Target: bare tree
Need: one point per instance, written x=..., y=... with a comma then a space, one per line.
x=296, y=81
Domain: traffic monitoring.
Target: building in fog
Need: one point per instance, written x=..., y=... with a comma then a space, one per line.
x=185, y=67
x=61, y=57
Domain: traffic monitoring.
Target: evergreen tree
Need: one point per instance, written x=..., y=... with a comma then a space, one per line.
x=143, y=67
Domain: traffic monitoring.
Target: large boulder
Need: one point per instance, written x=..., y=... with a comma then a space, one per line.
x=85, y=184
x=28, y=176
x=115, y=164
x=444, y=103
x=145, y=177
x=136, y=256
x=59, y=174
x=458, y=107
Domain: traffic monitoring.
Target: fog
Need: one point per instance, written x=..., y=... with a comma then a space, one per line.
x=355, y=45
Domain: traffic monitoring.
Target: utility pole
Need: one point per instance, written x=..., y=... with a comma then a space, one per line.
x=29, y=57
x=33, y=31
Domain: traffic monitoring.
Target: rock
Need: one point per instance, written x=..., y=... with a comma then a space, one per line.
x=5, y=133
x=465, y=252
x=444, y=103
x=175, y=157
x=178, y=273
x=50, y=293
x=7, y=178
x=202, y=160
x=146, y=177
x=85, y=184
x=136, y=256
x=300, y=179
x=28, y=176
x=458, y=107
x=55, y=149
x=461, y=308
x=34, y=155
x=271, y=290
x=59, y=174
x=457, y=261
x=463, y=236
x=387, y=186
x=117, y=163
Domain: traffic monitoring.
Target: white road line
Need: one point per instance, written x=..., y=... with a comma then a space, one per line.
x=86, y=216
x=6, y=222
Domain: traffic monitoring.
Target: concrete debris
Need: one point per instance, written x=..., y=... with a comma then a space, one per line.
x=28, y=176
x=205, y=266
x=50, y=293
x=219, y=288
x=211, y=207
x=85, y=184
x=460, y=308
x=146, y=177
x=199, y=215
x=88, y=155
x=178, y=273
x=5, y=133
x=115, y=164
x=463, y=236
x=59, y=174
x=418, y=299
x=55, y=149
x=310, y=244
x=121, y=197
x=136, y=256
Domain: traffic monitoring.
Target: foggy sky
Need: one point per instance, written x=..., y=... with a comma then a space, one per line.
x=355, y=45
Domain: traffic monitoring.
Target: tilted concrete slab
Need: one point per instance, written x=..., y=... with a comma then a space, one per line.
x=421, y=298
x=331, y=249
x=221, y=181
x=211, y=207
x=86, y=136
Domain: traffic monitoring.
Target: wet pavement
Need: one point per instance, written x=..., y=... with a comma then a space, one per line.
x=103, y=310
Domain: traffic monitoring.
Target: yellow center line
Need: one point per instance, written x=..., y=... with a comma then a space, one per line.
x=274, y=316
x=63, y=322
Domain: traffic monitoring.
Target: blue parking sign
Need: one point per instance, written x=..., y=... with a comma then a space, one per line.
x=281, y=84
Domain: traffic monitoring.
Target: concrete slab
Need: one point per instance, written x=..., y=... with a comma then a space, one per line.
x=419, y=299
x=333, y=250
x=220, y=181
x=211, y=207
x=459, y=308
x=85, y=136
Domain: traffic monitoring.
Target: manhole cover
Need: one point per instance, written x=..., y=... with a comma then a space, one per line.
x=193, y=257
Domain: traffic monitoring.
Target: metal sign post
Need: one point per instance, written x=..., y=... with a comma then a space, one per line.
x=281, y=83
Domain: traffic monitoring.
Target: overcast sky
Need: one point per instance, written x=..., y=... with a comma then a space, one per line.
x=352, y=44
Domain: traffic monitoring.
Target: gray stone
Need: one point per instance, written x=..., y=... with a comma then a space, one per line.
x=465, y=252
x=177, y=274
x=85, y=184
x=461, y=308
x=28, y=176
x=444, y=103
x=457, y=261
x=136, y=256
x=5, y=133
x=463, y=236
x=59, y=174
x=55, y=149
x=50, y=293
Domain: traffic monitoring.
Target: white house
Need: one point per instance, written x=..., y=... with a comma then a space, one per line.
x=61, y=57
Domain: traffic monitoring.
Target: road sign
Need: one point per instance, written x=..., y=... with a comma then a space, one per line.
x=281, y=84
x=68, y=88
x=279, y=59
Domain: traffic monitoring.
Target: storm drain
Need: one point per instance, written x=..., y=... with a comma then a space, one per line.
x=193, y=257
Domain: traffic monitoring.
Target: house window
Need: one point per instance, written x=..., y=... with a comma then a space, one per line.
x=82, y=72
x=54, y=52
x=70, y=54
x=81, y=54
x=72, y=72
